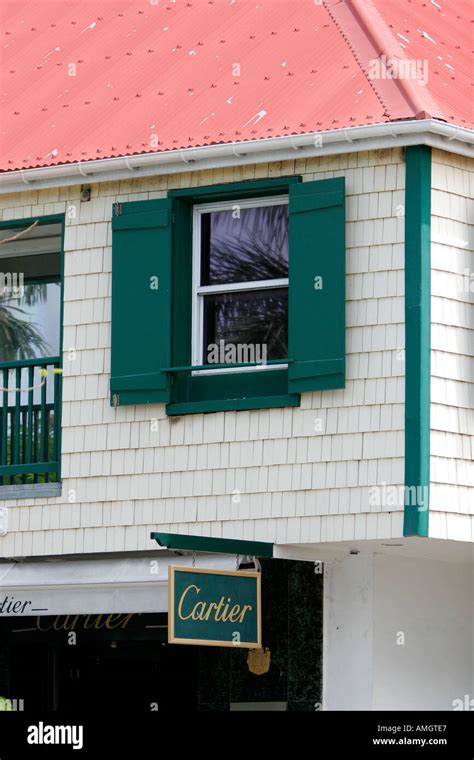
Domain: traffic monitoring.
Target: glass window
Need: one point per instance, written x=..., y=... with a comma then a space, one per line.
x=244, y=244
x=240, y=256
x=30, y=292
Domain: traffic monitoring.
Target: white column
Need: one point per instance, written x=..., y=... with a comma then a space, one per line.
x=398, y=634
x=348, y=659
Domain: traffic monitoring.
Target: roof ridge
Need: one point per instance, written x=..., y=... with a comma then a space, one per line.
x=371, y=40
x=335, y=17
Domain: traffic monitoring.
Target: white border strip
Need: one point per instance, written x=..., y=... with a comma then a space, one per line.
x=436, y=134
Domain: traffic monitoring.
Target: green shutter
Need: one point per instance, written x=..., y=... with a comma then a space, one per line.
x=316, y=317
x=141, y=312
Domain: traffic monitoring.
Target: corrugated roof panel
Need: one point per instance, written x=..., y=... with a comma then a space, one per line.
x=437, y=37
x=85, y=80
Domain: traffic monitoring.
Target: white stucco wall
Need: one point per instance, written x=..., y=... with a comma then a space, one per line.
x=371, y=602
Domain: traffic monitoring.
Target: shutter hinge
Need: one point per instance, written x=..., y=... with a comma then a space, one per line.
x=115, y=400
x=173, y=217
x=117, y=209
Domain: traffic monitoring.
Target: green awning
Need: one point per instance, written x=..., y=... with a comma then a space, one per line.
x=213, y=545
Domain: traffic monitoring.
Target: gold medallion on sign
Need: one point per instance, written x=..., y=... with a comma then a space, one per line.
x=258, y=661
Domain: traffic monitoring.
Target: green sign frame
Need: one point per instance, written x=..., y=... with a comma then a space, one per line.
x=217, y=608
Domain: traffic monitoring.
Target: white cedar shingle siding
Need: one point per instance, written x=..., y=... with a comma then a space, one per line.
x=452, y=349
x=291, y=484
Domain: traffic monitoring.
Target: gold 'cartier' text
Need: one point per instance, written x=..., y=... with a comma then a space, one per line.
x=221, y=611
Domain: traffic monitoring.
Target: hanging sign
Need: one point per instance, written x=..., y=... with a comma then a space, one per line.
x=220, y=608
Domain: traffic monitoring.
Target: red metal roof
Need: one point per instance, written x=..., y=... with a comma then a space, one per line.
x=85, y=80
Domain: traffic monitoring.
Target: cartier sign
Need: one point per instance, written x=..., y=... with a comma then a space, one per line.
x=214, y=607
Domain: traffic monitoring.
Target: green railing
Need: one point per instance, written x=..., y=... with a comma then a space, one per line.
x=30, y=393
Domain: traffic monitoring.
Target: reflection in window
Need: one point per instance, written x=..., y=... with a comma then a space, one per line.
x=30, y=293
x=253, y=318
x=29, y=325
x=244, y=245
x=241, y=295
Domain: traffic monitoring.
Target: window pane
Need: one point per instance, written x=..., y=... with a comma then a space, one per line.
x=38, y=266
x=30, y=290
x=245, y=327
x=244, y=245
x=29, y=320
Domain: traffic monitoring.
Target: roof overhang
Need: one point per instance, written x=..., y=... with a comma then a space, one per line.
x=436, y=134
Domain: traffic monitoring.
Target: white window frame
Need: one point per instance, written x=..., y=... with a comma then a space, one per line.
x=199, y=291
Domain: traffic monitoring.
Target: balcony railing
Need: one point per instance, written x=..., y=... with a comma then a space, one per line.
x=30, y=395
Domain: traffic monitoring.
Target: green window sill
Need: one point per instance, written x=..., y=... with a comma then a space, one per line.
x=232, y=404
x=230, y=391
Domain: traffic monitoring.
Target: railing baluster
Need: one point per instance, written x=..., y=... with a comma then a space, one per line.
x=11, y=434
x=44, y=422
x=17, y=434
x=24, y=420
x=29, y=437
x=11, y=439
x=35, y=442
x=4, y=430
x=57, y=421
x=48, y=427
x=5, y=418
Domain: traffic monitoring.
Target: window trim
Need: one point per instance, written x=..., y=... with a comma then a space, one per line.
x=43, y=219
x=229, y=391
x=198, y=290
x=310, y=367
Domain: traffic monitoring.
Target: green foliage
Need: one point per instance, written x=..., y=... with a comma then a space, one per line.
x=19, y=338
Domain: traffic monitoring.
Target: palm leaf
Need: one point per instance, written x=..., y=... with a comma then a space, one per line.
x=20, y=338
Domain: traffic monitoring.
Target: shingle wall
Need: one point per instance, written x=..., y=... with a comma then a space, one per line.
x=452, y=348
x=267, y=474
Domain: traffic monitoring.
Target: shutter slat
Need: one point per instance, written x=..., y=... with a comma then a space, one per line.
x=154, y=380
x=141, y=312
x=143, y=220
x=310, y=202
x=316, y=315
x=317, y=368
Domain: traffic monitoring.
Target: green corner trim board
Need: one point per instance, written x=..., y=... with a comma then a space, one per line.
x=417, y=339
x=213, y=545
